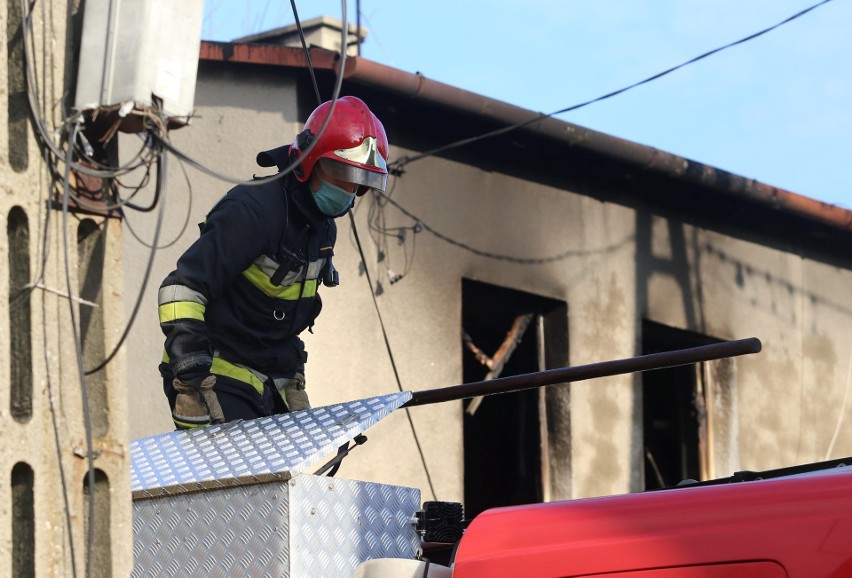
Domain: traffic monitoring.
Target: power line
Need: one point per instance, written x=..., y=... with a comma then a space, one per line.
x=390, y=354
x=161, y=194
x=78, y=349
x=185, y=220
x=421, y=224
x=343, y=43
x=398, y=167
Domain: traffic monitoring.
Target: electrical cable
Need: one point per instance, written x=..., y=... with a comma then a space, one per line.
x=161, y=194
x=380, y=233
x=344, y=33
x=518, y=260
x=32, y=92
x=338, y=84
x=842, y=415
x=27, y=290
x=142, y=183
x=85, y=150
x=307, y=52
x=398, y=167
x=390, y=354
x=106, y=207
x=296, y=162
x=78, y=348
x=52, y=156
x=185, y=220
x=69, y=525
x=165, y=144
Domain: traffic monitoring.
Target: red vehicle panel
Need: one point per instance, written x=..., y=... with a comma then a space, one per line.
x=798, y=526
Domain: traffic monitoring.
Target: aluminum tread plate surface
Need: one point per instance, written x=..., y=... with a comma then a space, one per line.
x=275, y=447
x=239, y=531
x=336, y=524
x=307, y=527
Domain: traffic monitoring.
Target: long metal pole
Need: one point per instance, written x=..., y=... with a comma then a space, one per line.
x=590, y=371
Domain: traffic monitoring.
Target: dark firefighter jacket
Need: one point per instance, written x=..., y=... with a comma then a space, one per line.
x=243, y=292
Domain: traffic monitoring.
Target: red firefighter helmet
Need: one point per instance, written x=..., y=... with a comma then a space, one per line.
x=353, y=147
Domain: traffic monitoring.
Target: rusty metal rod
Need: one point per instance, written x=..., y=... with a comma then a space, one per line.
x=582, y=372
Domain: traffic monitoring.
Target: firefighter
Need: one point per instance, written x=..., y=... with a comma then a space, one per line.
x=234, y=307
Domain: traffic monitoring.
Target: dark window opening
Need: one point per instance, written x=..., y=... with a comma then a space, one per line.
x=18, y=107
x=91, y=249
x=100, y=563
x=504, y=438
x=20, y=344
x=23, y=521
x=673, y=411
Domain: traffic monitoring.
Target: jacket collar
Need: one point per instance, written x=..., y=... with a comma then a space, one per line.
x=303, y=200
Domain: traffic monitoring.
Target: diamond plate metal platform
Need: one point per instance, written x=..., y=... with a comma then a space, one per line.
x=307, y=527
x=250, y=452
x=232, y=499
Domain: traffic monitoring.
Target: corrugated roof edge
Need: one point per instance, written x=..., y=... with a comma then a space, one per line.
x=419, y=87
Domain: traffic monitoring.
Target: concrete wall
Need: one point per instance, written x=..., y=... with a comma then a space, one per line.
x=618, y=266
x=44, y=494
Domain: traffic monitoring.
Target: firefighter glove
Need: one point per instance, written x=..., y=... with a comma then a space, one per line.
x=196, y=404
x=293, y=392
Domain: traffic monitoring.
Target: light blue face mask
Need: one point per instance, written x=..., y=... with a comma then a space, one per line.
x=332, y=200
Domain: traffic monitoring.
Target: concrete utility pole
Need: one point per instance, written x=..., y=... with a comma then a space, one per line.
x=66, y=508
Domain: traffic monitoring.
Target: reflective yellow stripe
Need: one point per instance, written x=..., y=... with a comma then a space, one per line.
x=187, y=425
x=181, y=310
x=291, y=293
x=227, y=369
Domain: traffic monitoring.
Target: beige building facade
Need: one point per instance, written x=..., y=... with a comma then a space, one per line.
x=616, y=250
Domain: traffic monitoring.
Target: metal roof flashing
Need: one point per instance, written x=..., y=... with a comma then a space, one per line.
x=250, y=452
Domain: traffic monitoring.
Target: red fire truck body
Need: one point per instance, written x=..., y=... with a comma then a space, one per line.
x=798, y=526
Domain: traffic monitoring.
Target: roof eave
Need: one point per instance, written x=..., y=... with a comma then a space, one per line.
x=417, y=86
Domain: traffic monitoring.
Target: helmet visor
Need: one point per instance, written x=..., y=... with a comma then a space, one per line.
x=354, y=174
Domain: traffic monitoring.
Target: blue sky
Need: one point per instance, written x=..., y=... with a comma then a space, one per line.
x=777, y=109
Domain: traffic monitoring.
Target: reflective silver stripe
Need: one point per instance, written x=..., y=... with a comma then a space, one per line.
x=172, y=293
x=269, y=266
x=314, y=268
x=266, y=264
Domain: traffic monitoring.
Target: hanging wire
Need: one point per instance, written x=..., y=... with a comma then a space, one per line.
x=162, y=144
x=343, y=42
x=842, y=415
x=390, y=355
x=185, y=220
x=381, y=235
x=78, y=349
x=297, y=161
x=421, y=224
x=53, y=155
x=397, y=167
x=160, y=193
x=63, y=482
x=307, y=52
